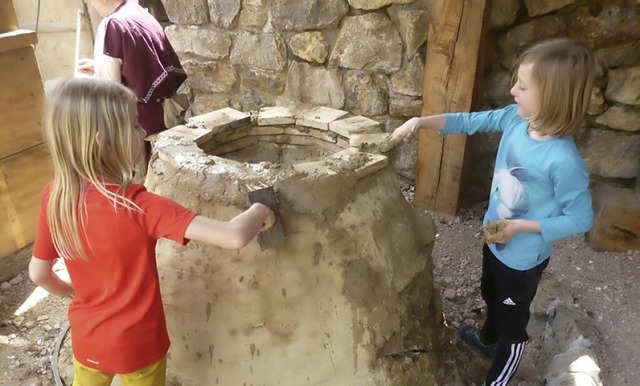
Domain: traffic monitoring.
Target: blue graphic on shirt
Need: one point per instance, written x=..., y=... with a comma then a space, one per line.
x=509, y=198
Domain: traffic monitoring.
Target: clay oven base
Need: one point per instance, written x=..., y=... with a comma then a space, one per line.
x=342, y=303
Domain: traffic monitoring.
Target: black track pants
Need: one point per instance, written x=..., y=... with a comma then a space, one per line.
x=508, y=293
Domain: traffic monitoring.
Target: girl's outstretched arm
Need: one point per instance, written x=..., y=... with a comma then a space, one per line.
x=232, y=234
x=41, y=273
x=408, y=129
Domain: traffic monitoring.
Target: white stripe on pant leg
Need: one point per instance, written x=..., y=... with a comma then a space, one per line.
x=517, y=349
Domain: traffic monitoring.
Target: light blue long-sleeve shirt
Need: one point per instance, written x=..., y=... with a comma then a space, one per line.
x=545, y=181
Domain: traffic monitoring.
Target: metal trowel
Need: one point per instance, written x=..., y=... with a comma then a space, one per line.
x=274, y=237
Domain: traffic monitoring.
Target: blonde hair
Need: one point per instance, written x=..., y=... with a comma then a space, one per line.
x=563, y=70
x=89, y=128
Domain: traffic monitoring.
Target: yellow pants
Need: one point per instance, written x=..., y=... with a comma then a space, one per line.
x=152, y=375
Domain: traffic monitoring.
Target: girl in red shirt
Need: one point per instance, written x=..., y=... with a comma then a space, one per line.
x=106, y=227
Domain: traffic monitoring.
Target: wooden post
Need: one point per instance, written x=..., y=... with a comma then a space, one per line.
x=451, y=68
x=25, y=166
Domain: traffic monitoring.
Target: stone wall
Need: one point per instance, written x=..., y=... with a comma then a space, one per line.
x=367, y=57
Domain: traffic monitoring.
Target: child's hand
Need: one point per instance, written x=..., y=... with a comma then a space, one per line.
x=85, y=66
x=403, y=133
x=501, y=231
x=270, y=217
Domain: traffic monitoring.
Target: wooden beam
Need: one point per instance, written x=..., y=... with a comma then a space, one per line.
x=22, y=177
x=25, y=165
x=451, y=68
x=17, y=39
x=21, y=100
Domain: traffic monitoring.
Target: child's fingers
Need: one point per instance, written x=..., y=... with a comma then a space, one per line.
x=393, y=140
x=388, y=144
x=268, y=222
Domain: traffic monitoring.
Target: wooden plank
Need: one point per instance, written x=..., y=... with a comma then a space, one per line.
x=615, y=226
x=274, y=237
x=17, y=39
x=22, y=177
x=453, y=54
x=21, y=100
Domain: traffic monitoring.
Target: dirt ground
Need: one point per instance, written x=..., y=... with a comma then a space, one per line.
x=604, y=285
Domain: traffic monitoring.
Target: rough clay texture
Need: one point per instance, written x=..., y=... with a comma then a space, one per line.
x=348, y=300
x=494, y=231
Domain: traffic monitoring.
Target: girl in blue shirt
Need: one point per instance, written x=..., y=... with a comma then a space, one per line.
x=540, y=188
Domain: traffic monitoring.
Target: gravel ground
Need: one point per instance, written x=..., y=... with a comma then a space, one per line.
x=603, y=284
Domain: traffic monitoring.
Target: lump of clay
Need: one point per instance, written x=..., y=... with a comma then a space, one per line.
x=493, y=231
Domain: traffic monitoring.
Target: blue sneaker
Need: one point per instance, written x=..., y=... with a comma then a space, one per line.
x=471, y=336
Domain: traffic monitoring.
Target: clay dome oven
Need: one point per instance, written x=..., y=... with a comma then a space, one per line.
x=349, y=293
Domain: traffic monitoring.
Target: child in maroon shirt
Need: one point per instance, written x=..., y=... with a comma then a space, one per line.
x=131, y=48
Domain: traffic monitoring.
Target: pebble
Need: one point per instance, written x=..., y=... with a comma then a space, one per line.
x=449, y=294
x=470, y=322
x=16, y=280
x=18, y=321
x=468, y=304
x=5, y=286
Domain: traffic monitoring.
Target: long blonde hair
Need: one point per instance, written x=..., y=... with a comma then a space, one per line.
x=89, y=131
x=563, y=70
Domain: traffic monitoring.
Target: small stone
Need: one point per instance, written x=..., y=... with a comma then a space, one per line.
x=18, y=322
x=470, y=322
x=449, y=294
x=16, y=280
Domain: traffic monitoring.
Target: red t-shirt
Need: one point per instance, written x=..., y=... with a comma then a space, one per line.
x=117, y=318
